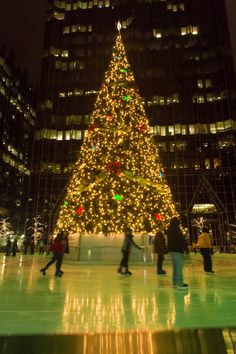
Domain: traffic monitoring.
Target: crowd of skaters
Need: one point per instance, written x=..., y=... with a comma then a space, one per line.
x=172, y=242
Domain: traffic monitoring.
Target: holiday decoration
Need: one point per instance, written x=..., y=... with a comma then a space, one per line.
x=114, y=167
x=142, y=127
x=79, y=211
x=5, y=231
x=118, y=197
x=121, y=183
x=158, y=217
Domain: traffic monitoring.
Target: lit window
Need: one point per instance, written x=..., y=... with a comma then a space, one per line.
x=60, y=135
x=183, y=31
x=210, y=97
x=172, y=147
x=177, y=129
x=191, y=129
x=189, y=30
x=65, y=53
x=208, y=83
x=196, y=165
x=213, y=128
x=58, y=15
x=207, y=163
x=175, y=98
x=163, y=131
x=200, y=84
x=171, y=130
x=228, y=124
x=175, y=8
x=220, y=126
x=169, y=100
x=66, y=29
x=183, y=129
x=194, y=30
x=157, y=33
x=217, y=163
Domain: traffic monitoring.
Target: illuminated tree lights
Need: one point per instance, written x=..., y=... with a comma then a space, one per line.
x=118, y=180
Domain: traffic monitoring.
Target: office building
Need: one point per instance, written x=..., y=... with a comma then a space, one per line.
x=181, y=56
x=17, y=121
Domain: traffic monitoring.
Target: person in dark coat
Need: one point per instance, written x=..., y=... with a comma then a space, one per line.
x=58, y=248
x=14, y=247
x=126, y=249
x=159, y=247
x=8, y=247
x=176, y=248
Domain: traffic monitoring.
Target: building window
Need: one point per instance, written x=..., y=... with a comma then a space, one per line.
x=194, y=30
x=217, y=163
x=207, y=163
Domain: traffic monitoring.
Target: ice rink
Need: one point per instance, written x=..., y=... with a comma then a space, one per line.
x=93, y=300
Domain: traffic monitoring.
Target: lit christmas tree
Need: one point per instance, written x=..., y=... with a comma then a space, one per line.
x=118, y=180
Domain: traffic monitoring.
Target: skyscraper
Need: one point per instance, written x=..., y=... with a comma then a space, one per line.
x=181, y=56
x=17, y=122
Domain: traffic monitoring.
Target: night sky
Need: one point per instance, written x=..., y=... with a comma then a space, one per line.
x=22, y=25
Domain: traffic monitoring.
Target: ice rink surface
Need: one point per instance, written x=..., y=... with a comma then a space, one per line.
x=92, y=299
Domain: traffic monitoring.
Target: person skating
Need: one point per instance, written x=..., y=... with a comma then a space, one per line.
x=159, y=247
x=8, y=247
x=176, y=247
x=14, y=247
x=205, y=245
x=126, y=249
x=58, y=248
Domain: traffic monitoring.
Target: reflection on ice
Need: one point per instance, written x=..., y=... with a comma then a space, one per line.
x=94, y=298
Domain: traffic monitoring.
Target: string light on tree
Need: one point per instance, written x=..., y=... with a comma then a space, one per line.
x=121, y=182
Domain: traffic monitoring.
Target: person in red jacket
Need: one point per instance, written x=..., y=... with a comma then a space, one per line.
x=58, y=248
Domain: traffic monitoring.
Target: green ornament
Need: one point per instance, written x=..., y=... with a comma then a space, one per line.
x=126, y=98
x=118, y=197
x=123, y=70
x=65, y=204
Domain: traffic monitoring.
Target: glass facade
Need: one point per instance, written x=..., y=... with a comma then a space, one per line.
x=181, y=56
x=17, y=121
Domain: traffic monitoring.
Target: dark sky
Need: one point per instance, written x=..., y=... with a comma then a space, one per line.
x=22, y=24
x=21, y=28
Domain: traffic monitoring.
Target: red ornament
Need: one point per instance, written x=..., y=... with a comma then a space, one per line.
x=109, y=117
x=142, y=127
x=158, y=217
x=114, y=167
x=93, y=127
x=79, y=211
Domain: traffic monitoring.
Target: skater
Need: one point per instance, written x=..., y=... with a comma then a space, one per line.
x=126, y=249
x=14, y=248
x=8, y=247
x=32, y=245
x=41, y=247
x=58, y=248
x=205, y=246
x=159, y=247
x=176, y=247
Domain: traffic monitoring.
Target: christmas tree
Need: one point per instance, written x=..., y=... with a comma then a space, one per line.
x=118, y=180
